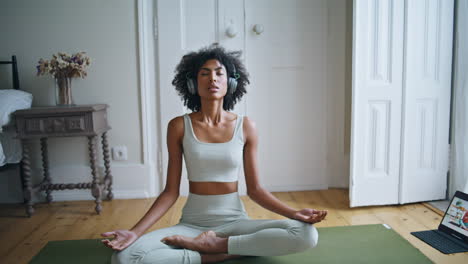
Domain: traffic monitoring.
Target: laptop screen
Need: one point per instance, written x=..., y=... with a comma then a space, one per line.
x=456, y=216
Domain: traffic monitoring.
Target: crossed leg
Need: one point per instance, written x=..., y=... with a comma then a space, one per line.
x=241, y=238
x=252, y=238
x=149, y=248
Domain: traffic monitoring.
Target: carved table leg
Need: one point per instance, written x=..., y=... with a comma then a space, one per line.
x=45, y=167
x=95, y=189
x=27, y=189
x=108, y=177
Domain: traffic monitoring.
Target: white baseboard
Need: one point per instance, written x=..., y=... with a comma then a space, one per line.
x=282, y=188
x=85, y=195
x=293, y=188
x=130, y=181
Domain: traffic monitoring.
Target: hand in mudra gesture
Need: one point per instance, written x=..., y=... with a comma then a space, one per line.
x=122, y=239
x=310, y=216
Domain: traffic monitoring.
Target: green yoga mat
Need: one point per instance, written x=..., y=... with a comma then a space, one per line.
x=344, y=244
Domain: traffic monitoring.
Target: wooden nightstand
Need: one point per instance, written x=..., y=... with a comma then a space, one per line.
x=46, y=122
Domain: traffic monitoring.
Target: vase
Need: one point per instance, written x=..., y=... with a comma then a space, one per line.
x=63, y=92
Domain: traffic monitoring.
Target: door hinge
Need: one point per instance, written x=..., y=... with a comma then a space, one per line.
x=449, y=158
x=155, y=27
x=160, y=163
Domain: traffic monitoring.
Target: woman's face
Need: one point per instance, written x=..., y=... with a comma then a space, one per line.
x=212, y=80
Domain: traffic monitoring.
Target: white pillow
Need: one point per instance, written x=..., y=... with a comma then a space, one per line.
x=12, y=100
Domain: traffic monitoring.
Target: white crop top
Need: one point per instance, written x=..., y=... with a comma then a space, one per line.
x=212, y=162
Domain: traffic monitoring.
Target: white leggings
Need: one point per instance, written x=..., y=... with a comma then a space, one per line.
x=224, y=214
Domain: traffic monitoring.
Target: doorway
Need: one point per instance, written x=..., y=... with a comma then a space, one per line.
x=297, y=68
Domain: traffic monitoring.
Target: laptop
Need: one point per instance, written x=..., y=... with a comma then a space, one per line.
x=452, y=233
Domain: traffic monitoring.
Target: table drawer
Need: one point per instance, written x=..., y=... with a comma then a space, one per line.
x=54, y=125
x=79, y=120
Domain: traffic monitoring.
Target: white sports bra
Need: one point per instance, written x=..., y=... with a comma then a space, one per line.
x=213, y=162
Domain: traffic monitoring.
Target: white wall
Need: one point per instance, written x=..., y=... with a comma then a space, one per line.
x=339, y=90
x=108, y=31
x=459, y=166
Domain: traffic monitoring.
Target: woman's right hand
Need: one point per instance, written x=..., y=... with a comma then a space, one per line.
x=310, y=216
x=122, y=239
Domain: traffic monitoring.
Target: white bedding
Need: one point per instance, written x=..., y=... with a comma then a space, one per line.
x=10, y=101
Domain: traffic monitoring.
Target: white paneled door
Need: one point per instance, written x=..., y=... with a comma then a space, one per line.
x=288, y=95
x=402, y=57
x=286, y=57
x=427, y=89
x=184, y=26
x=376, y=102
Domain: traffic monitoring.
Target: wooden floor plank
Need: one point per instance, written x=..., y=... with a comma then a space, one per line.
x=22, y=237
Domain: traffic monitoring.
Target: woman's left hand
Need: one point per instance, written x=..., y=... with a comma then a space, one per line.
x=310, y=216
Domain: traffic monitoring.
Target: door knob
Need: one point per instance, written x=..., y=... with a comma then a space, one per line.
x=258, y=29
x=231, y=31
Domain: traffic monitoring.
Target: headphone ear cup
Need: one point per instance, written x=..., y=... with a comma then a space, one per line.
x=191, y=86
x=232, y=85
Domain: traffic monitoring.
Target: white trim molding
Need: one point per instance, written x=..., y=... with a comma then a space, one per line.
x=146, y=53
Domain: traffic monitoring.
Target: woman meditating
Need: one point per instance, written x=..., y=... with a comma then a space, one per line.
x=214, y=143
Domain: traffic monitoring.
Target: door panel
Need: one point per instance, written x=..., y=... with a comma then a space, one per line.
x=401, y=86
x=287, y=63
x=427, y=88
x=376, y=102
x=287, y=97
x=183, y=26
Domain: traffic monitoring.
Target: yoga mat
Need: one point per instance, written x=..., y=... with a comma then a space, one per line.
x=344, y=244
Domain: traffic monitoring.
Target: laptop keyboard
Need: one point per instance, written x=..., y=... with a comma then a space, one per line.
x=440, y=242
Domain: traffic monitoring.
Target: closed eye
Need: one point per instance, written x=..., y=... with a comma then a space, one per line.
x=218, y=73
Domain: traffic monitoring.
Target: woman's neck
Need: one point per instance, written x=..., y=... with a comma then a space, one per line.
x=212, y=113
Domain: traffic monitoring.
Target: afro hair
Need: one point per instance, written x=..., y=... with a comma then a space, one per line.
x=191, y=63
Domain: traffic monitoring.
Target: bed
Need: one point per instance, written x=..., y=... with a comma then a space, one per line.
x=10, y=101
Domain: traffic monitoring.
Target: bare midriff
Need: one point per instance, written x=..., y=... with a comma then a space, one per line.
x=212, y=188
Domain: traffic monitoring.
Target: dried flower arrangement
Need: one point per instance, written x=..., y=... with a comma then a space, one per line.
x=63, y=67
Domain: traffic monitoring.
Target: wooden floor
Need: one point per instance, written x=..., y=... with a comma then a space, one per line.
x=22, y=237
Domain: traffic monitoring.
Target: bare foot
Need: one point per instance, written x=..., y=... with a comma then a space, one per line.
x=206, y=242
